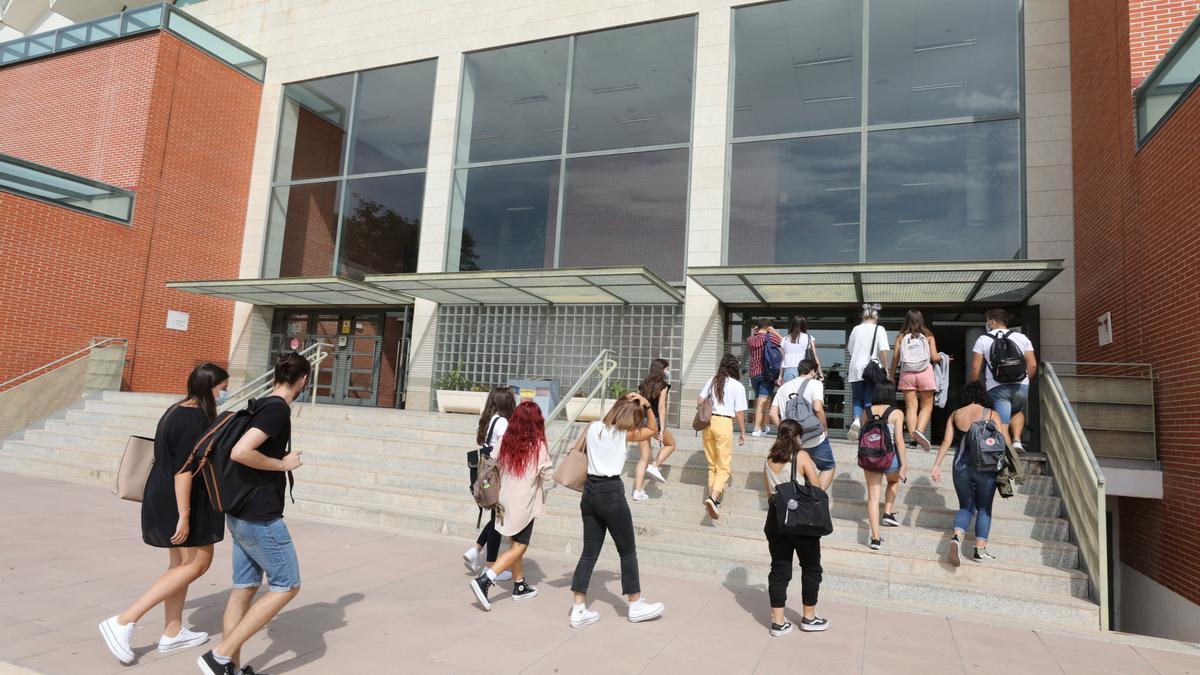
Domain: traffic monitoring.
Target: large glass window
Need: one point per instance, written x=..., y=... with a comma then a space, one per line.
x=1171, y=81
x=933, y=116
x=350, y=174
x=603, y=183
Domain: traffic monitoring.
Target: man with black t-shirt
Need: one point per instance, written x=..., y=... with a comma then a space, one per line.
x=262, y=544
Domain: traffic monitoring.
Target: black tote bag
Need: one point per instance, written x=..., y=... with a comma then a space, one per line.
x=801, y=510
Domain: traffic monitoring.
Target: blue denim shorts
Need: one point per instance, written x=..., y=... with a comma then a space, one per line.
x=263, y=548
x=822, y=455
x=1008, y=399
x=762, y=386
x=790, y=374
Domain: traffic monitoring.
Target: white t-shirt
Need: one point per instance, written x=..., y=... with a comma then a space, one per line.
x=734, y=396
x=606, y=450
x=497, y=433
x=983, y=345
x=859, y=346
x=793, y=352
x=815, y=391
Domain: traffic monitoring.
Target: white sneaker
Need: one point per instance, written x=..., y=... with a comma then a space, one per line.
x=184, y=640
x=582, y=616
x=118, y=639
x=852, y=432
x=640, y=496
x=655, y=473
x=471, y=560
x=758, y=433
x=506, y=575
x=644, y=611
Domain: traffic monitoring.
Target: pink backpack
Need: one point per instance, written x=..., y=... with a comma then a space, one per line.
x=876, y=447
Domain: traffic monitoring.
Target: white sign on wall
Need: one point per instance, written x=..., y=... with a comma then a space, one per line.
x=1104, y=329
x=177, y=320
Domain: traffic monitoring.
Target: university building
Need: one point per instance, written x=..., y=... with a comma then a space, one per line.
x=484, y=191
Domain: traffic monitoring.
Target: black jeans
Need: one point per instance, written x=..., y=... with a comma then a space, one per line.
x=604, y=509
x=807, y=551
x=490, y=538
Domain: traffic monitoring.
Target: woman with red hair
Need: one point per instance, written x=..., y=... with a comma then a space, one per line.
x=524, y=463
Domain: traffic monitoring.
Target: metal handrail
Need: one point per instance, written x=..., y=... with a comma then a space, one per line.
x=604, y=364
x=588, y=372
x=1076, y=427
x=96, y=342
x=314, y=354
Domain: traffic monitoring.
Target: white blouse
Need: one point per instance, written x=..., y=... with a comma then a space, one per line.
x=607, y=450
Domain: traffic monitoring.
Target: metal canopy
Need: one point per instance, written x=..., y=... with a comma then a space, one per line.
x=295, y=292
x=1006, y=282
x=578, y=286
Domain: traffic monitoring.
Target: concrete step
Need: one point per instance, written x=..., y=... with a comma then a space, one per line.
x=892, y=576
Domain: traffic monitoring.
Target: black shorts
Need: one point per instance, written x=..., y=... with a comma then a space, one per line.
x=523, y=536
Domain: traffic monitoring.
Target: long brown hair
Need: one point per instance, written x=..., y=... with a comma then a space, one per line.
x=729, y=368
x=524, y=439
x=626, y=415
x=914, y=324
x=655, y=382
x=204, y=378
x=500, y=401
x=799, y=325
x=787, y=443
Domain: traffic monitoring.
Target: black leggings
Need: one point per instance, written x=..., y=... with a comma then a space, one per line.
x=604, y=509
x=807, y=551
x=490, y=538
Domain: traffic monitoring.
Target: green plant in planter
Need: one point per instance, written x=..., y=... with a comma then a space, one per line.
x=481, y=388
x=617, y=389
x=455, y=380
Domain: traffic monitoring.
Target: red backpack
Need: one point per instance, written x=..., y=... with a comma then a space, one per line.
x=876, y=447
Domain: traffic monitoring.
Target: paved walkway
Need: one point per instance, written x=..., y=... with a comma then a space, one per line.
x=377, y=602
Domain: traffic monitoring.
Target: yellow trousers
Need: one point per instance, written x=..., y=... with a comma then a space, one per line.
x=718, y=450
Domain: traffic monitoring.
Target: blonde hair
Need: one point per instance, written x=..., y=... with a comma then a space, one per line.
x=626, y=415
x=870, y=311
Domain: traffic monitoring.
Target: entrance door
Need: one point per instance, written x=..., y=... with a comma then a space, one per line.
x=351, y=374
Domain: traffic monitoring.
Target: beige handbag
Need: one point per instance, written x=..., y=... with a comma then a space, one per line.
x=572, y=470
x=135, y=468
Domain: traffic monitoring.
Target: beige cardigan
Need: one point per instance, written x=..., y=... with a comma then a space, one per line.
x=521, y=496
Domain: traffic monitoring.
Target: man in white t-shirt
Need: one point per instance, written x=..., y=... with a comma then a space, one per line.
x=1007, y=398
x=813, y=391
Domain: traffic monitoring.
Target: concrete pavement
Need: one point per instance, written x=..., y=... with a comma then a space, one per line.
x=373, y=601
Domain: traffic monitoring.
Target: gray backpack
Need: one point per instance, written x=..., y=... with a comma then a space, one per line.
x=984, y=445
x=799, y=409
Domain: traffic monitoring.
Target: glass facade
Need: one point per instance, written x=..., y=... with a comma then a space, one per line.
x=574, y=152
x=349, y=177
x=1175, y=77
x=839, y=158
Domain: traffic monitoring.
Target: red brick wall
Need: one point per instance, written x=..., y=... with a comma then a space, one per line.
x=1154, y=25
x=157, y=116
x=1131, y=208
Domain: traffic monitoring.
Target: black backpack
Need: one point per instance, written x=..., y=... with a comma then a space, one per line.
x=228, y=483
x=801, y=509
x=1006, y=360
x=984, y=444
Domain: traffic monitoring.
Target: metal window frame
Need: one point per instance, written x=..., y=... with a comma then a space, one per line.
x=865, y=128
x=118, y=191
x=1168, y=60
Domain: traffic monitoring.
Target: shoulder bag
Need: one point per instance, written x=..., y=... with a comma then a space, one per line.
x=801, y=510
x=572, y=469
x=704, y=412
x=874, y=373
x=134, y=469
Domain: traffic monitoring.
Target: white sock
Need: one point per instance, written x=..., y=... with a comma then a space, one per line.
x=1017, y=444
x=221, y=659
x=490, y=574
x=579, y=607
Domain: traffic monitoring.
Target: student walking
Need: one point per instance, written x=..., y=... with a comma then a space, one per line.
x=262, y=544
x=889, y=421
x=797, y=345
x=493, y=423
x=778, y=469
x=916, y=352
x=729, y=401
x=604, y=509
x=524, y=463
x=976, y=488
x=762, y=381
x=175, y=517
x=1008, y=359
x=655, y=388
x=809, y=393
x=868, y=341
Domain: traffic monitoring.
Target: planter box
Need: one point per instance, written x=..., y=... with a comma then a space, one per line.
x=470, y=402
x=590, y=412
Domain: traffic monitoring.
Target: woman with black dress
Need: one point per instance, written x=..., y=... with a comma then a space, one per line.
x=175, y=517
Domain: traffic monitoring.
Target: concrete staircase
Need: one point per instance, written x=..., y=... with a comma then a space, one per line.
x=405, y=470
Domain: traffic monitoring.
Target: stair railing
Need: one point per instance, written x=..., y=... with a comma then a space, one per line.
x=1080, y=484
x=41, y=392
x=603, y=366
x=314, y=354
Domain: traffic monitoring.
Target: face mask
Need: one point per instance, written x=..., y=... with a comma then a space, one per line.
x=667, y=375
x=222, y=396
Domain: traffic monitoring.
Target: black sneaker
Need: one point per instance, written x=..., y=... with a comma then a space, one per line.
x=814, y=625
x=955, y=551
x=875, y=544
x=247, y=670
x=982, y=555
x=891, y=520
x=523, y=591
x=208, y=664
x=779, y=630
x=480, y=585
x=713, y=507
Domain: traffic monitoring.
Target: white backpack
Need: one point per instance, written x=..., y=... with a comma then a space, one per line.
x=914, y=353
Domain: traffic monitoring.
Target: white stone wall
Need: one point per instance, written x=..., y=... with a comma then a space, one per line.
x=304, y=39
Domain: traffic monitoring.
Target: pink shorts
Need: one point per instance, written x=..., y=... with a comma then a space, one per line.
x=922, y=381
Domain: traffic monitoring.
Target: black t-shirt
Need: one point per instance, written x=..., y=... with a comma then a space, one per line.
x=274, y=418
